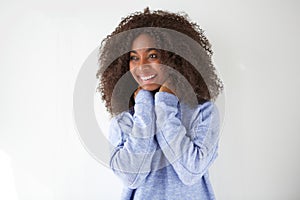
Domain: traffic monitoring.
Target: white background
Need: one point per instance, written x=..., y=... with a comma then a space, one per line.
x=43, y=45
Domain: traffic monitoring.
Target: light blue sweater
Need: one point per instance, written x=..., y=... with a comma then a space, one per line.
x=164, y=149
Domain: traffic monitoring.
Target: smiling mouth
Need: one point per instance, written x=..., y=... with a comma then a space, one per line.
x=146, y=78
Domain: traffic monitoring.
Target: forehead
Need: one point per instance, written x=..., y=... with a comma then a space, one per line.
x=143, y=41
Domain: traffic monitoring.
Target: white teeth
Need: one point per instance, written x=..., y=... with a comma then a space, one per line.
x=145, y=78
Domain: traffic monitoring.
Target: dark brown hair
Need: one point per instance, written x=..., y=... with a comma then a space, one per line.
x=195, y=64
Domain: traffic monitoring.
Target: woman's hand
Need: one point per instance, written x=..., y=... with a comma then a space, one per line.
x=137, y=91
x=168, y=86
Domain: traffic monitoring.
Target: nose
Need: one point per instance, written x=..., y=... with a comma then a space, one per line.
x=143, y=63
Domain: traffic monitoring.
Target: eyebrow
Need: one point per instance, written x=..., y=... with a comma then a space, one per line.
x=148, y=49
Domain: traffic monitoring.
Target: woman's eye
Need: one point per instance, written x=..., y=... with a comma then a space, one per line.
x=152, y=56
x=133, y=58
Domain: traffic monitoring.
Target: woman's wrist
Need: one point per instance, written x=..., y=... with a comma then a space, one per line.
x=136, y=91
x=166, y=89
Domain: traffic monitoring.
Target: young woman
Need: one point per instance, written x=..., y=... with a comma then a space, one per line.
x=159, y=84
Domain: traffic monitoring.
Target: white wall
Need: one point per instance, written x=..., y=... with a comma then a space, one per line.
x=44, y=44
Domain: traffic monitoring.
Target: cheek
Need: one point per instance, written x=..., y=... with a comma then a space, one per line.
x=131, y=68
x=132, y=71
x=163, y=71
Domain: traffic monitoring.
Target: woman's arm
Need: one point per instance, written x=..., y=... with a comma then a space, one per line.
x=191, y=151
x=132, y=139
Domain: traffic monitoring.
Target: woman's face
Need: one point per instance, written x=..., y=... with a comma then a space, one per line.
x=145, y=64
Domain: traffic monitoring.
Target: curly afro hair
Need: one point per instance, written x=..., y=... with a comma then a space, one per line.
x=183, y=46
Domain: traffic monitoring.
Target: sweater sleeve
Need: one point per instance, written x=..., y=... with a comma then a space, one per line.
x=190, y=150
x=132, y=141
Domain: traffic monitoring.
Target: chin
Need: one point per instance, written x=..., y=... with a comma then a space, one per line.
x=151, y=87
